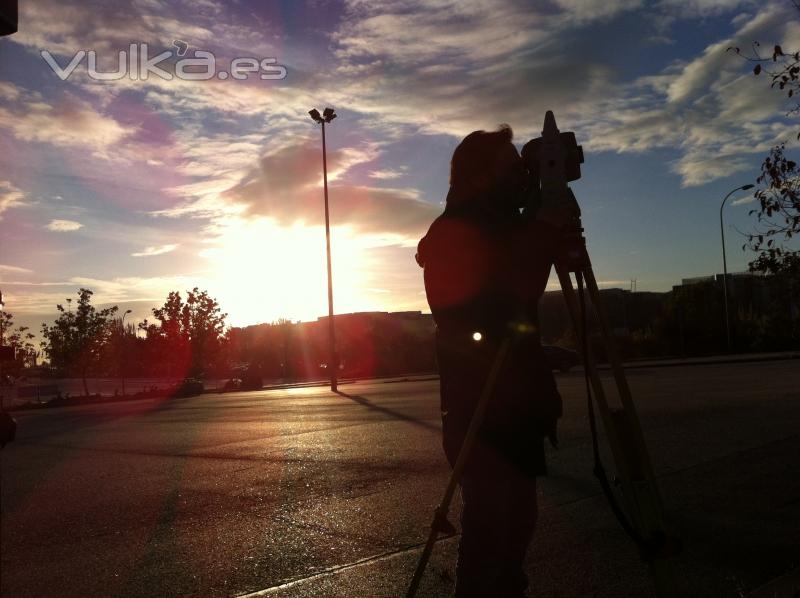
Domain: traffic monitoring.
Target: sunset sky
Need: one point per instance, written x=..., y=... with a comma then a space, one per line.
x=134, y=188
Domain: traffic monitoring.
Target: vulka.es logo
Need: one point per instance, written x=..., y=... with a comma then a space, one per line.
x=137, y=64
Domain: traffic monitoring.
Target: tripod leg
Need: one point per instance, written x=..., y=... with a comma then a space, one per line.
x=639, y=486
x=624, y=435
x=588, y=360
x=619, y=374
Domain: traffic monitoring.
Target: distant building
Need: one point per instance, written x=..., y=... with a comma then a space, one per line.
x=627, y=311
x=749, y=290
x=695, y=280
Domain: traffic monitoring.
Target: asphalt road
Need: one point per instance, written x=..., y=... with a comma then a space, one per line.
x=302, y=492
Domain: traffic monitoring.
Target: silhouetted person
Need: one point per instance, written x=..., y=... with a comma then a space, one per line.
x=486, y=266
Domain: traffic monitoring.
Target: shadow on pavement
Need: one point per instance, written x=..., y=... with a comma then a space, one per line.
x=390, y=412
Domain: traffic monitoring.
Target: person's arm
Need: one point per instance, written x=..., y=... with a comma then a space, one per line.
x=457, y=260
x=536, y=249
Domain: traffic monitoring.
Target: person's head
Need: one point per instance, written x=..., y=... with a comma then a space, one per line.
x=487, y=163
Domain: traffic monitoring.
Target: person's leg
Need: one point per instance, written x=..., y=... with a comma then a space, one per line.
x=521, y=523
x=483, y=528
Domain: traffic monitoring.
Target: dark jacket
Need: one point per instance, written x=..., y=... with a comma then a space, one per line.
x=485, y=270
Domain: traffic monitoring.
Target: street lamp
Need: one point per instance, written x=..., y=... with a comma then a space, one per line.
x=725, y=263
x=2, y=354
x=122, y=340
x=333, y=362
x=8, y=426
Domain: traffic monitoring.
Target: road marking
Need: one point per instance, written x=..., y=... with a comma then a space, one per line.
x=377, y=558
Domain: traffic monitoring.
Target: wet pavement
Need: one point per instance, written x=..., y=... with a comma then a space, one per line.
x=301, y=492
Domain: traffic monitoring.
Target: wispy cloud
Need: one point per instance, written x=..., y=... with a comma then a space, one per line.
x=14, y=269
x=711, y=108
x=34, y=297
x=743, y=200
x=282, y=186
x=387, y=173
x=72, y=122
x=285, y=189
x=155, y=250
x=10, y=196
x=63, y=225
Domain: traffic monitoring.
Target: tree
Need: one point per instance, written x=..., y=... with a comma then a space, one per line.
x=779, y=206
x=77, y=338
x=121, y=355
x=691, y=322
x=778, y=214
x=190, y=334
x=19, y=338
x=784, y=312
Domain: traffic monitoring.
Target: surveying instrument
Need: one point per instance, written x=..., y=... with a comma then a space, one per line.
x=553, y=160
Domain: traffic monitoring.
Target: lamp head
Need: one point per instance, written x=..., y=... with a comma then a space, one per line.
x=746, y=187
x=328, y=114
x=315, y=115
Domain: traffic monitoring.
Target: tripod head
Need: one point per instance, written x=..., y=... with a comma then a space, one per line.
x=553, y=161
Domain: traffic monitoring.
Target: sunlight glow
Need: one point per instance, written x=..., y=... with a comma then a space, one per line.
x=262, y=271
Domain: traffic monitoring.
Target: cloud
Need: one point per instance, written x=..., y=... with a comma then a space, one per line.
x=387, y=173
x=453, y=67
x=285, y=185
x=14, y=269
x=8, y=91
x=443, y=67
x=399, y=63
x=65, y=28
x=743, y=200
x=10, y=196
x=582, y=11
x=64, y=225
x=241, y=149
x=711, y=108
x=697, y=168
x=35, y=297
x=70, y=122
x=155, y=250
x=286, y=189
x=703, y=8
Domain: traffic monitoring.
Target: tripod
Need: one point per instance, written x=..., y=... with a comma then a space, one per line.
x=554, y=160
x=643, y=513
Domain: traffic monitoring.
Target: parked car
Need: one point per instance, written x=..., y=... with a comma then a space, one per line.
x=249, y=377
x=559, y=358
x=232, y=384
x=189, y=387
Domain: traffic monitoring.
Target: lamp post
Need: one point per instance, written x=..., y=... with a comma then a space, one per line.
x=333, y=362
x=725, y=263
x=2, y=356
x=122, y=340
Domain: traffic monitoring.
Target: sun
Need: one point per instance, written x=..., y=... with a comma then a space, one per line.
x=263, y=271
